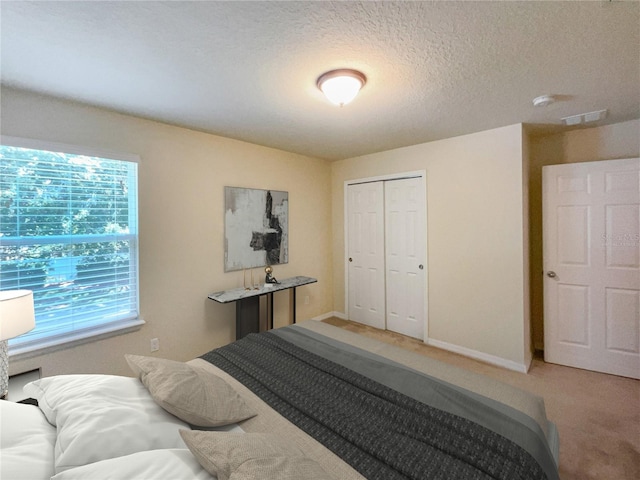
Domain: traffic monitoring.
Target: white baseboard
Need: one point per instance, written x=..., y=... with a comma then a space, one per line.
x=485, y=357
x=467, y=352
x=324, y=316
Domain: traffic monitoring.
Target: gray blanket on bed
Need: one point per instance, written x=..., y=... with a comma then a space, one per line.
x=380, y=432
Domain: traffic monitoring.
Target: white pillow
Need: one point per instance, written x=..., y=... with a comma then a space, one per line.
x=102, y=416
x=174, y=464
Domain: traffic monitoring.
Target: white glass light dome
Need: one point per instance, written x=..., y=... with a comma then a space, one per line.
x=341, y=86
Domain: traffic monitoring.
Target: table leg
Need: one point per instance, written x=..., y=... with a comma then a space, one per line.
x=293, y=300
x=247, y=316
x=270, y=301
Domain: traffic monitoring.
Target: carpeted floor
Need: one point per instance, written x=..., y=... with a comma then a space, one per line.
x=597, y=415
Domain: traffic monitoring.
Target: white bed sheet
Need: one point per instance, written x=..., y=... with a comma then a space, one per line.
x=27, y=443
x=137, y=439
x=172, y=464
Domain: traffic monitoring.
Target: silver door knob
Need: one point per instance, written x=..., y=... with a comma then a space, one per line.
x=551, y=274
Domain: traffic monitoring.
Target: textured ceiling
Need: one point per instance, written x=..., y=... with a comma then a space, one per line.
x=247, y=70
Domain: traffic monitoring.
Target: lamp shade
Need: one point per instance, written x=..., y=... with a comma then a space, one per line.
x=17, y=315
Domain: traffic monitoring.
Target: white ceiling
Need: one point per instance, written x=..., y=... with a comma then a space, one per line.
x=247, y=70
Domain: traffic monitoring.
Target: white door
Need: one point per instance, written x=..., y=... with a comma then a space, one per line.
x=366, y=284
x=591, y=233
x=404, y=249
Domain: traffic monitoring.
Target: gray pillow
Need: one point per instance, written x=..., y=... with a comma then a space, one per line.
x=244, y=456
x=192, y=394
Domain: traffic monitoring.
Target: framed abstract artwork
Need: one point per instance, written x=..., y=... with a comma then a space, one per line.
x=255, y=228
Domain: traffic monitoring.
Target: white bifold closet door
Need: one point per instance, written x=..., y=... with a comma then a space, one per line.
x=365, y=208
x=386, y=255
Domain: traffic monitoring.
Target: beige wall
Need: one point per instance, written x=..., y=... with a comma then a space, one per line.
x=476, y=192
x=621, y=140
x=181, y=178
x=476, y=234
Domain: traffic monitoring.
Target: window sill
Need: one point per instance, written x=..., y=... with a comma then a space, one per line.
x=69, y=340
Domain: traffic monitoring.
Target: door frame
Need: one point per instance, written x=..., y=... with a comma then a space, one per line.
x=381, y=178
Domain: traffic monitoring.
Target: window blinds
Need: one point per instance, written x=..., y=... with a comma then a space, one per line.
x=69, y=232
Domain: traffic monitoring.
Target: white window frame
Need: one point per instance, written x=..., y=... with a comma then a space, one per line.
x=98, y=330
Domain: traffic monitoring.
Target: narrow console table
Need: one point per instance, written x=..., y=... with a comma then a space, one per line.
x=248, y=302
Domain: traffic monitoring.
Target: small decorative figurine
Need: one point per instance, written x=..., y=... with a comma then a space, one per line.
x=269, y=278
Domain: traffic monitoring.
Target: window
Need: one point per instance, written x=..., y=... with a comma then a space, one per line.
x=69, y=232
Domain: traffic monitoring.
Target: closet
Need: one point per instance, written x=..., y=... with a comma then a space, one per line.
x=386, y=254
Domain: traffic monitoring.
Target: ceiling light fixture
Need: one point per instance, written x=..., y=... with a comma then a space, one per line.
x=342, y=85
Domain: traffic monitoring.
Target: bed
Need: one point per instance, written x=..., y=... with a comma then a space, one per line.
x=308, y=401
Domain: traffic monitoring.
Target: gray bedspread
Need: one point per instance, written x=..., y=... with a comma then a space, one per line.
x=431, y=430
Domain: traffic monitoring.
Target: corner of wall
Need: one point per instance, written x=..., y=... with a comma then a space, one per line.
x=527, y=326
